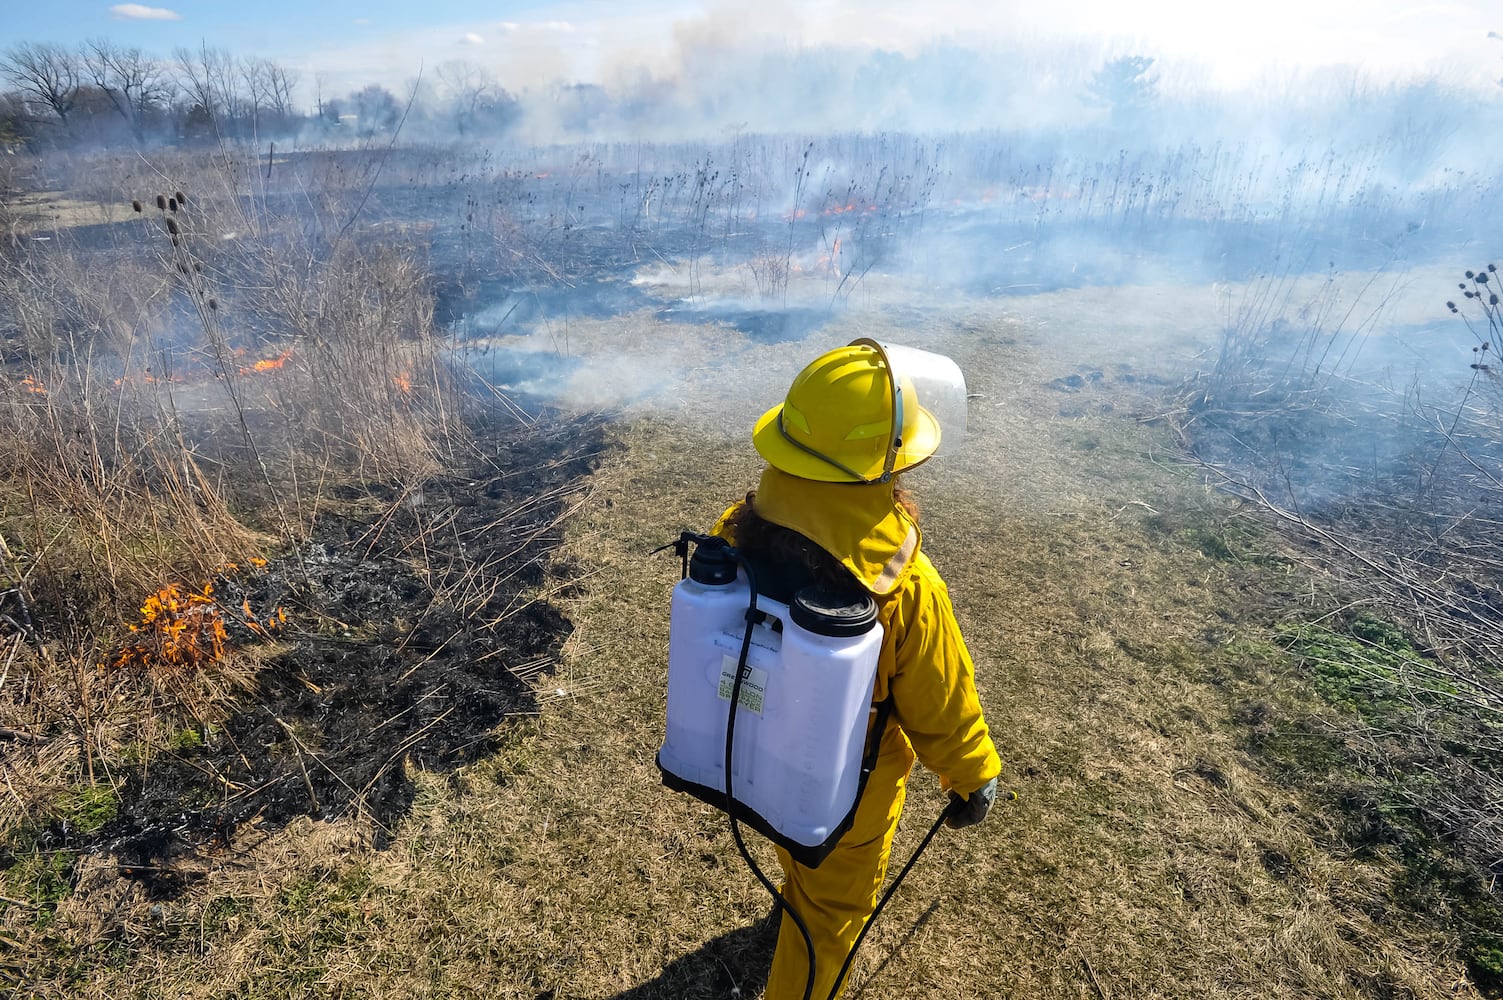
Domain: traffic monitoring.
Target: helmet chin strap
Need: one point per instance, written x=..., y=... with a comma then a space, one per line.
x=894, y=436
x=820, y=455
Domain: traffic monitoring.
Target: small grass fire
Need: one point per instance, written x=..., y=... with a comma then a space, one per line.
x=185, y=637
x=179, y=630
x=182, y=629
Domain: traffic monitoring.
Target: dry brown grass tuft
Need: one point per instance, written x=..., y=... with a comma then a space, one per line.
x=181, y=388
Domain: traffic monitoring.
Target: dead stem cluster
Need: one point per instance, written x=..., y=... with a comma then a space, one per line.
x=1394, y=495
x=183, y=389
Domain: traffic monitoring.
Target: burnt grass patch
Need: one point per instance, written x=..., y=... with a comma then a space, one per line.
x=418, y=617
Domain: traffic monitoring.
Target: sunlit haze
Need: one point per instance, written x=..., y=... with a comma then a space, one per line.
x=528, y=45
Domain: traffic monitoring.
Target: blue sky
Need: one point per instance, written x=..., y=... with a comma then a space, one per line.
x=530, y=42
x=270, y=25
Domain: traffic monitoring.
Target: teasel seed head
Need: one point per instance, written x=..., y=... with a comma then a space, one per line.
x=172, y=227
x=214, y=304
x=136, y=205
x=182, y=199
x=162, y=205
x=172, y=204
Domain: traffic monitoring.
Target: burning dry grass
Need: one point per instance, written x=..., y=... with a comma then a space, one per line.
x=208, y=354
x=103, y=493
x=183, y=390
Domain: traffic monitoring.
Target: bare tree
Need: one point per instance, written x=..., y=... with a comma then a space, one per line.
x=255, y=75
x=465, y=87
x=208, y=79
x=46, y=75
x=268, y=91
x=475, y=101
x=137, y=84
x=283, y=83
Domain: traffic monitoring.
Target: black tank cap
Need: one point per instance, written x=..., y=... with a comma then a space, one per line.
x=712, y=563
x=834, y=612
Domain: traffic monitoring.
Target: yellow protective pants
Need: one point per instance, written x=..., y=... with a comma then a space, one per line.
x=836, y=898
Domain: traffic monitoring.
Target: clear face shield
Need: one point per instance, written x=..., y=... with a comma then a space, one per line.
x=929, y=406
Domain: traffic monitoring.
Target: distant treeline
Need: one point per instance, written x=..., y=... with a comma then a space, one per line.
x=101, y=93
x=1049, y=102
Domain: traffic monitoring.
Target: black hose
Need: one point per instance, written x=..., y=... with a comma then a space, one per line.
x=944, y=814
x=752, y=618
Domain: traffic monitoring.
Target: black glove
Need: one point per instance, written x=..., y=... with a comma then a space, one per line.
x=973, y=808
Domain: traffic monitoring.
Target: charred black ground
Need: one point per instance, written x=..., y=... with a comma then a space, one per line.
x=417, y=627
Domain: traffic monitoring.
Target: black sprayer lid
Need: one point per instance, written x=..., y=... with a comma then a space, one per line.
x=835, y=612
x=713, y=563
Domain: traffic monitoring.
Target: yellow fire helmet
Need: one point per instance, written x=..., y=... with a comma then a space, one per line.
x=863, y=412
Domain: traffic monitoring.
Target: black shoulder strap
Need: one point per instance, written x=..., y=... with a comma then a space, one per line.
x=879, y=729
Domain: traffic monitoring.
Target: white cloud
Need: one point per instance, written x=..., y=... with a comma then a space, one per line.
x=362, y=21
x=141, y=12
x=471, y=38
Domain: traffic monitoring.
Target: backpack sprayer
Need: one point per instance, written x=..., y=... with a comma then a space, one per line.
x=799, y=677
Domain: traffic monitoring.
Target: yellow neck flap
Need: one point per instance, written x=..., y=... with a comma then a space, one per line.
x=861, y=525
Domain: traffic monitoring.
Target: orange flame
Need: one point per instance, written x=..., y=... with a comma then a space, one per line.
x=268, y=364
x=185, y=629
x=403, y=382
x=32, y=385
x=178, y=629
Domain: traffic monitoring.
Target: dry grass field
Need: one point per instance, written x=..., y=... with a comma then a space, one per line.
x=1122, y=615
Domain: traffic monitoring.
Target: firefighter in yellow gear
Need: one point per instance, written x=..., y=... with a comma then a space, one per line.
x=852, y=420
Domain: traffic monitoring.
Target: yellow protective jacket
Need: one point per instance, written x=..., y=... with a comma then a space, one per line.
x=923, y=663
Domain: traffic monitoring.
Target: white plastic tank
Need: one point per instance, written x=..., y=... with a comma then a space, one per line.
x=804, y=703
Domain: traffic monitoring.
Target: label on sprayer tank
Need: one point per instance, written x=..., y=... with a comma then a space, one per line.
x=753, y=685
